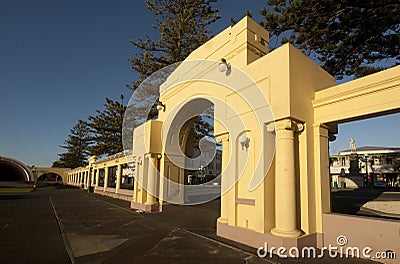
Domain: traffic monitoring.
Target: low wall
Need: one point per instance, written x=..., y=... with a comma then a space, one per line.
x=122, y=194
x=381, y=235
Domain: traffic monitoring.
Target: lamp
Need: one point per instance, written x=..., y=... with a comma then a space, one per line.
x=223, y=66
x=160, y=106
x=244, y=141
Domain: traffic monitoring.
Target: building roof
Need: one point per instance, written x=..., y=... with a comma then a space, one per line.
x=115, y=156
x=371, y=150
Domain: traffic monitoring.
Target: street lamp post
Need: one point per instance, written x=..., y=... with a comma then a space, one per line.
x=365, y=160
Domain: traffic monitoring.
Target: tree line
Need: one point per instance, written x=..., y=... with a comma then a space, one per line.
x=346, y=38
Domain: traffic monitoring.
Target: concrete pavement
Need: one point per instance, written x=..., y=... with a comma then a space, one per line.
x=29, y=232
x=98, y=229
x=369, y=202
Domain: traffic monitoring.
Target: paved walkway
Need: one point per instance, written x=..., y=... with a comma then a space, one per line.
x=372, y=202
x=61, y=225
x=385, y=207
x=29, y=232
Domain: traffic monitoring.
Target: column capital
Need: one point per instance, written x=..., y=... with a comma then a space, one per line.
x=288, y=124
x=321, y=130
x=320, y=125
x=327, y=130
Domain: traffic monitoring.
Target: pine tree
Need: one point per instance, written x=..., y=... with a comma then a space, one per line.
x=346, y=37
x=77, y=146
x=106, y=129
x=182, y=25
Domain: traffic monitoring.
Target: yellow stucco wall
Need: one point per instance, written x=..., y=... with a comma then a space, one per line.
x=288, y=80
x=306, y=105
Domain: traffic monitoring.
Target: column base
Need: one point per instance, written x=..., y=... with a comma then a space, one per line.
x=283, y=233
x=255, y=239
x=148, y=208
x=222, y=220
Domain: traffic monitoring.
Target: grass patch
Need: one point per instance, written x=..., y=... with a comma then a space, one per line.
x=16, y=190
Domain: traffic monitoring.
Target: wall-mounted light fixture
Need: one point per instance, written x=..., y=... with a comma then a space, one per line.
x=224, y=66
x=160, y=106
x=244, y=141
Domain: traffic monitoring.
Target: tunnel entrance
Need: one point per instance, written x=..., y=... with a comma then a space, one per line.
x=49, y=179
x=14, y=171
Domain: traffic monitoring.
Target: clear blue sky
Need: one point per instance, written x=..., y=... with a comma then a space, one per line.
x=378, y=131
x=60, y=59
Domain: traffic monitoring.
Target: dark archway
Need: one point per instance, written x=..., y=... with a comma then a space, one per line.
x=12, y=170
x=49, y=178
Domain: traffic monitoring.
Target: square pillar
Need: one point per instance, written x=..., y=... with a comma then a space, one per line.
x=151, y=179
x=322, y=182
x=119, y=176
x=135, y=181
x=224, y=139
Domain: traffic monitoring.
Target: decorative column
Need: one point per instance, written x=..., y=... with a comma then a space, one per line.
x=105, y=178
x=225, y=183
x=285, y=179
x=151, y=179
x=119, y=176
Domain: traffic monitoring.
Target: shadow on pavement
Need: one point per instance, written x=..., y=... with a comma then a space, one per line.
x=352, y=201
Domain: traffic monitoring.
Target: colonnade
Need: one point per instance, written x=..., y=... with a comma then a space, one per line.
x=97, y=175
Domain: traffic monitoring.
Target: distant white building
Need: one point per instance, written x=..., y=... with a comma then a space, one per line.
x=380, y=163
x=209, y=167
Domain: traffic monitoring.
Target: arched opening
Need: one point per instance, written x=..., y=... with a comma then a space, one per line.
x=193, y=158
x=49, y=179
x=14, y=172
x=200, y=169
